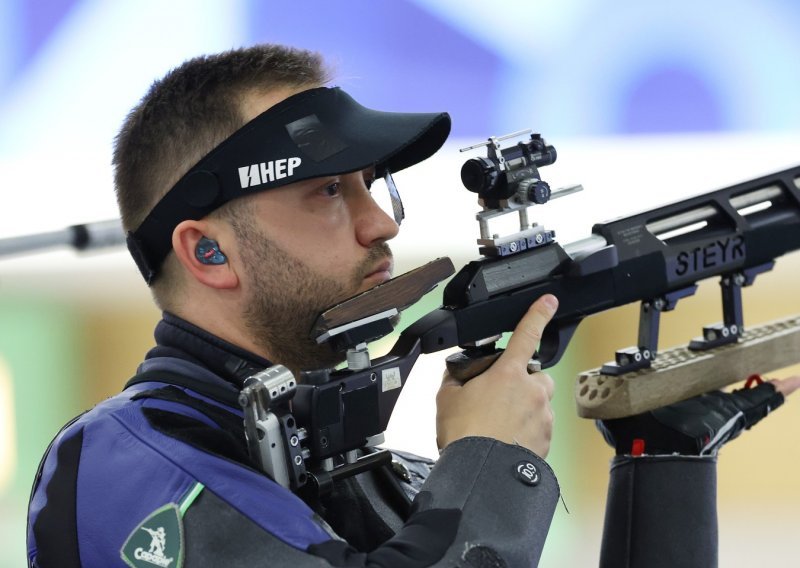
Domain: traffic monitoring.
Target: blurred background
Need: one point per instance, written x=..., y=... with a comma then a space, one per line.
x=646, y=103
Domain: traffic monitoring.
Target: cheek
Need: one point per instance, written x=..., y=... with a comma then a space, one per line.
x=325, y=243
x=303, y=220
x=330, y=251
x=332, y=256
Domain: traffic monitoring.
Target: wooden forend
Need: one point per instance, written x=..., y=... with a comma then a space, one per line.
x=678, y=373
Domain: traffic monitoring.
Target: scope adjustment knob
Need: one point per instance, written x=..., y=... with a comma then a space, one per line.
x=534, y=190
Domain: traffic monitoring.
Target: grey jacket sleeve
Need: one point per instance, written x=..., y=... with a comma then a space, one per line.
x=661, y=512
x=507, y=496
x=485, y=504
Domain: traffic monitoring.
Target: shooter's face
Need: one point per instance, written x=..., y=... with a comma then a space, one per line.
x=305, y=247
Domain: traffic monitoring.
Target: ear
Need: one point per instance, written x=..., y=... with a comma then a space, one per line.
x=185, y=238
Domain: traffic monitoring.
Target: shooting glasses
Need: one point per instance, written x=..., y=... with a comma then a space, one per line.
x=318, y=132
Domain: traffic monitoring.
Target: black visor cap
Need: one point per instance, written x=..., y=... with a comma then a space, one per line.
x=315, y=133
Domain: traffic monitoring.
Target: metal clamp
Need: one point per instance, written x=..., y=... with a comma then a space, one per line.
x=273, y=438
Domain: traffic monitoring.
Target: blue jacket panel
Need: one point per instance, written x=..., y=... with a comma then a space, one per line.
x=127, y=470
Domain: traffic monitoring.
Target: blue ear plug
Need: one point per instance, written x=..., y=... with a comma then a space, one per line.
x=208, y=252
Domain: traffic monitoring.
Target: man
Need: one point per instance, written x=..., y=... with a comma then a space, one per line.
x=245, y=185
x=242, y=259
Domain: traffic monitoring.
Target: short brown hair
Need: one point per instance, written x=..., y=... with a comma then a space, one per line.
x=189, y=112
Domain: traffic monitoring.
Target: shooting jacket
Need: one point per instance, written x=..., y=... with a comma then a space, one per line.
x=159, y=475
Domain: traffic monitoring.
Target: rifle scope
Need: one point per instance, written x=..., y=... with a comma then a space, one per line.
x=511, y=170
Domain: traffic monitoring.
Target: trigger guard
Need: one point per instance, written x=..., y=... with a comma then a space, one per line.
x=555, y=339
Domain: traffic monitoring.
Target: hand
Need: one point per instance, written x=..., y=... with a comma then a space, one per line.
x=786, y=386
x=699, y=425
x=505, y=402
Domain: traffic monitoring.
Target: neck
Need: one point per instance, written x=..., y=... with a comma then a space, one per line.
x=177, y=337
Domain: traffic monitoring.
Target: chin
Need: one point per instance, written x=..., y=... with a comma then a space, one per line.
x=371, y=282
x=322, y=357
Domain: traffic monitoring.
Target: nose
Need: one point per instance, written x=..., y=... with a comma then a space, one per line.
x=372, y=224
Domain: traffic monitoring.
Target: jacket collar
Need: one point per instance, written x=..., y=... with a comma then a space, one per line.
x=176, y=337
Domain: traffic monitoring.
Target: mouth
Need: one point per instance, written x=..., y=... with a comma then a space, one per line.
x=381, y=272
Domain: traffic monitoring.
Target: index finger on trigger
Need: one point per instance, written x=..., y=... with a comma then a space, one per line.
x=528, y=333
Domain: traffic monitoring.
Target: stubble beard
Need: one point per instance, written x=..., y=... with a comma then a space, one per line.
x=287, y=297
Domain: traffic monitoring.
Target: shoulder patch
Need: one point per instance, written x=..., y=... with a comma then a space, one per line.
x=156, y=541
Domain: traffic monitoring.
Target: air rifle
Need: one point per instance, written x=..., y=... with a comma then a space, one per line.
x=656, y=258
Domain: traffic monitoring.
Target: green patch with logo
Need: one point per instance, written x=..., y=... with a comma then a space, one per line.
x=156, y=541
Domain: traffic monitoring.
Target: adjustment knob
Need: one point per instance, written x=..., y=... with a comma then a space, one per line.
x=534, y=191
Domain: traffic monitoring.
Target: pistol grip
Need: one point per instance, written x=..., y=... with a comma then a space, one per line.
x=470, y=363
